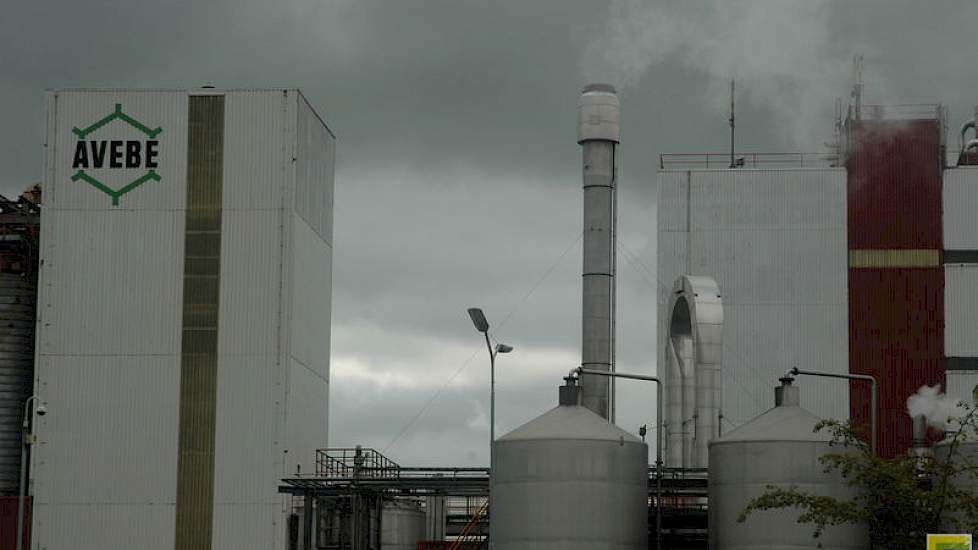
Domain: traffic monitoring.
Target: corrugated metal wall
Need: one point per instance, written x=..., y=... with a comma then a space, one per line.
x=961, y=322
x=960, y=207
x=311, y=273
x=775, y=241
x=896, y=306
x=18, y=304
x=961, y=281
x=894, y=185
x=895, y=335
x=110, y=333
x=8, y=522
x=201, y=323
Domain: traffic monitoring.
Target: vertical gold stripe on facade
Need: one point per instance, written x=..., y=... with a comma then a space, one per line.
x=201, y=293
x=906, y=258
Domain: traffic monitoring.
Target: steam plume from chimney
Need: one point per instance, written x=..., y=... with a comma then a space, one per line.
x=937, y=407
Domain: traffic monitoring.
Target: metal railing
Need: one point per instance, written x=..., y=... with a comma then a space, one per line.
x=464, y=506
x=673, y=161
x=903, y=111
x=355, y=462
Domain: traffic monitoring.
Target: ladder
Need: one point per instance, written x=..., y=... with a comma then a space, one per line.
x=467, y=534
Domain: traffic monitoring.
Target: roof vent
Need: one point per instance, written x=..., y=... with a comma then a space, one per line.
x=569, y=393
x=787, y=395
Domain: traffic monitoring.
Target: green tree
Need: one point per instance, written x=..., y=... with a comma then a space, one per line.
x=901, y=499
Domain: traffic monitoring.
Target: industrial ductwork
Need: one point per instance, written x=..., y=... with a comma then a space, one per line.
x=692, y=378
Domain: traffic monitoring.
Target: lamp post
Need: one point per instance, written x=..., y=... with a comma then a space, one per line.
x=795, y=371
x=482, y=325
x=24, y=444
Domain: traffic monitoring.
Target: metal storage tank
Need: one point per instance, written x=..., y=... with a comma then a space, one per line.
x=570, y=480
x=777, y=448
x=402, y=525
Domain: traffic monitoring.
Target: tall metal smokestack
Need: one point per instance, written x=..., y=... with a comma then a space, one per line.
x=598, y=134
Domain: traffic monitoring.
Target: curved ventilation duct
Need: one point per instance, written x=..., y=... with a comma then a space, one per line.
x=969, y=125
x=692, y=378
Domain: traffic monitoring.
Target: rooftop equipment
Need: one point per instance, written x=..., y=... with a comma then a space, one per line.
x=778, y=448
x=570, y=480
x=598, y=134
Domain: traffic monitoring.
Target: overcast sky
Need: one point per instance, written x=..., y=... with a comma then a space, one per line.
x=458, y=176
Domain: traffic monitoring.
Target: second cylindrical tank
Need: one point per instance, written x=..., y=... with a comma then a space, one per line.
x=402, y=525
x=778, y=448
x=570, y=480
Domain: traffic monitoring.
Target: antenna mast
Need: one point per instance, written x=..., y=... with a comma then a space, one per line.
x=857, y=85
x=733, y=163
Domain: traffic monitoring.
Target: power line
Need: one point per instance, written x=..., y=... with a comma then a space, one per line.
x=464, y=364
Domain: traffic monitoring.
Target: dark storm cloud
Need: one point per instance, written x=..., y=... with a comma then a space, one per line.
x=458, y=173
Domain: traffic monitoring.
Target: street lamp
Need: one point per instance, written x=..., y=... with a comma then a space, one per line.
x=26, y=437
x=482, y=325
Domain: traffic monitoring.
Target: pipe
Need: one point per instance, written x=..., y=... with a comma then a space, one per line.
x=598, y=134
x=658, y=436
x=795, y=371
x=919, y=447
x=22, y=488
x=971, y=144
x=307, y=522
x=492, y=430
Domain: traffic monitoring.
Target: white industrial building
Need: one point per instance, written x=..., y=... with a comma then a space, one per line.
x=775, y=242
x=184, y=316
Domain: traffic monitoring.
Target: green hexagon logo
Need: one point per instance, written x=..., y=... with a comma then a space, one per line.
x=116, y=154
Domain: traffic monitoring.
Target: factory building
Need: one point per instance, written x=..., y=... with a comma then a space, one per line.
x=960, y=262
x=184, y=316
x=775, y=242
x=861, y=262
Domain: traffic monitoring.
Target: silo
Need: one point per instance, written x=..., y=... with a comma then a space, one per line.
x=570, y=480
x=402, y=525
x=778, y=448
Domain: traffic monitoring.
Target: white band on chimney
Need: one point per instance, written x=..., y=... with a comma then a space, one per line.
x=598, y=114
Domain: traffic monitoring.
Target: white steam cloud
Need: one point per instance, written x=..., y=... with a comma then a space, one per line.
x=939, y=408
x=782, y=54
